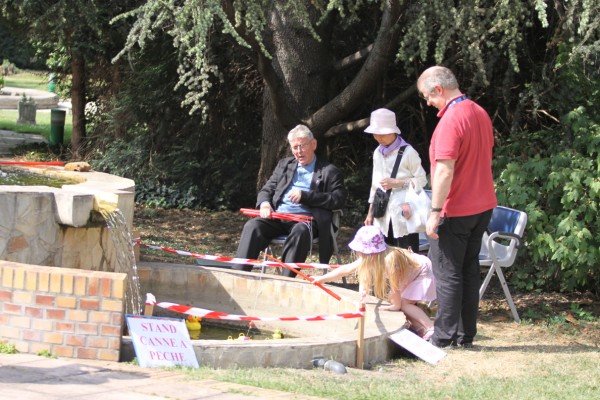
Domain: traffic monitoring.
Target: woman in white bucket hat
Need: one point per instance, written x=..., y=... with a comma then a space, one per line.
x=410, y=172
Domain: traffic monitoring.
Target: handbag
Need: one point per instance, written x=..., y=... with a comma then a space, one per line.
x=420, y=205
x=381, y=198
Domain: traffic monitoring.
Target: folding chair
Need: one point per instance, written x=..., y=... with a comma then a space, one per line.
x=507, y=225
x=335, y=228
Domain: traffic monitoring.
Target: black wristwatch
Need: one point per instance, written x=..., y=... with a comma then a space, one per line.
x=435, y=209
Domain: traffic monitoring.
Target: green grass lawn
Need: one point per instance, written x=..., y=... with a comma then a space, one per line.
x=28, y=80
x=8, y=121
x=511, y=361
x=8, y=118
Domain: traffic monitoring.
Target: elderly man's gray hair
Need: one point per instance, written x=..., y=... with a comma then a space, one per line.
x=438, y=76
x=300, y=132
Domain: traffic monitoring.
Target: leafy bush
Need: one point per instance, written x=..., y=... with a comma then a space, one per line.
x=175, y=159
x=7, y=348
x=553, y=175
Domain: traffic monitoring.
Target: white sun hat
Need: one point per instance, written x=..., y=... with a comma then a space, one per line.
x=383, y=122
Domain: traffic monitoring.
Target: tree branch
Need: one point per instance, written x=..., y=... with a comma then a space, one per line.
x=352, y=58
x=370, y=73
x=348, y=127
x=361, y=124
x=274, y=85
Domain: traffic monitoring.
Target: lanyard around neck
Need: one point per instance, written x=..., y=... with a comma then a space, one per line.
x=458, y=100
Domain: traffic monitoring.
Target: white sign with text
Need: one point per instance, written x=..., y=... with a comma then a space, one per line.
x=419, y=347
x=161, y=342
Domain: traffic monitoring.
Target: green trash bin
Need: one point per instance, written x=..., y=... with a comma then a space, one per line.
x=57, y=126
x=52, y=82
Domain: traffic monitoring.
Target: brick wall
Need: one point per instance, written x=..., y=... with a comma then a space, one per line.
x=66, y=312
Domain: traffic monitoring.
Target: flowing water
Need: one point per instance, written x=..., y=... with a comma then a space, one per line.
x=125, y=258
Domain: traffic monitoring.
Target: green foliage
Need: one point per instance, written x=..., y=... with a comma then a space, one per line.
x=581, y=314
x=177, y=160
x=7, y=348
x=45, y=353
x=16, y=47
x=192, y=24
x=554, y=178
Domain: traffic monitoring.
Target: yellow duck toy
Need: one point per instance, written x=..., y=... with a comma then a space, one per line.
x=193, y=325
x=277, y=334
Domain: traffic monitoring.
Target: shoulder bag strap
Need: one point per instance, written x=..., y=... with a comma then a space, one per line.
x=396, y=165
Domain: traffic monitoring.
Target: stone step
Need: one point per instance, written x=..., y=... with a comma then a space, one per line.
x=10, y=140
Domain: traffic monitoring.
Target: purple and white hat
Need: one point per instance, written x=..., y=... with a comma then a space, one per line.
x=368, y=240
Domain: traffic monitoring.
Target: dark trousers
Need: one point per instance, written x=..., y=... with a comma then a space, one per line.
x=455, y=261
x=258, y=233
x=410, y=241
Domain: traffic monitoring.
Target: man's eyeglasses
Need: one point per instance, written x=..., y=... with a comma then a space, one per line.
x=425, y=96
x=300, y=147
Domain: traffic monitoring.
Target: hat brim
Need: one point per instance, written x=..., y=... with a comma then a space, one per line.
x=375, y=130
x=356, y=246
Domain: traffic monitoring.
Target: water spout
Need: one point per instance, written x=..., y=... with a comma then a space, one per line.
x=125, y=257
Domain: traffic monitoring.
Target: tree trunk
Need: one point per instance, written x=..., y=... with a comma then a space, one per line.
x=300, y=62
x=78, y=102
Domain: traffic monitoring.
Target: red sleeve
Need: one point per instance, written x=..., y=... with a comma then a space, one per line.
x=448, y=139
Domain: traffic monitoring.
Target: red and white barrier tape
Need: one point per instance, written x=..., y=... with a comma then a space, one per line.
x=294, y=267
x=203, y=313
x=234, y=260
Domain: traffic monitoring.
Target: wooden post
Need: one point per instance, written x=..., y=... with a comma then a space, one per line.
x=149, y=309
x=149, y=305
x=360, y=341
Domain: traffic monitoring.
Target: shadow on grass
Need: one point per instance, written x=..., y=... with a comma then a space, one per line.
x=535, y=348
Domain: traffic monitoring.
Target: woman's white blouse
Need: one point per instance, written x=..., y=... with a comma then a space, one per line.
x=410, y=167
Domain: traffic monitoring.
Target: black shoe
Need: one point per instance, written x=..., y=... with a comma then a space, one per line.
x=443, y=346
x=466, y=345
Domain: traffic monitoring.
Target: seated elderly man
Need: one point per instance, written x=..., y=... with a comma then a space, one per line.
x=302, y=184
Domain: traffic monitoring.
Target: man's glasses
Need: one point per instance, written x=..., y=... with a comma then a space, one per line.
x=300, y=147
x=425, y=96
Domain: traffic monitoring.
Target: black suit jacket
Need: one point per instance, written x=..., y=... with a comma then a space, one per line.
x=326, y=193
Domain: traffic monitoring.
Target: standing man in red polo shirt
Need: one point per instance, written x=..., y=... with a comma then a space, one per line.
x=463, y=198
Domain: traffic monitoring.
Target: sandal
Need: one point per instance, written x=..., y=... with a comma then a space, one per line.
x=428, y=334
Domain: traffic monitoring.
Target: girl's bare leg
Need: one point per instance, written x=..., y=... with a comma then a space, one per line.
x=416, y=315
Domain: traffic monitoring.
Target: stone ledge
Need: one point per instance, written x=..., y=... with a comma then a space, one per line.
x=75, y=202
x=10, y=97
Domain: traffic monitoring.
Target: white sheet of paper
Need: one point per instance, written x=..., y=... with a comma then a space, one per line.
x=161, y=342
x=419, y=347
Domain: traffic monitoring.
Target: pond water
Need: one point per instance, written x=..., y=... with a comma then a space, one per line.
x=20, y=177
x=216, y=331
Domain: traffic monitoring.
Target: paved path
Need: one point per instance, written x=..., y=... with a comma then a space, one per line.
x=31, y=377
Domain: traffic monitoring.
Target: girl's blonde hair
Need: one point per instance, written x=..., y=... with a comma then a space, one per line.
x=385, y=271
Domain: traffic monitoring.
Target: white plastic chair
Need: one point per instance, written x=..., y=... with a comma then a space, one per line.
x=499, y=248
